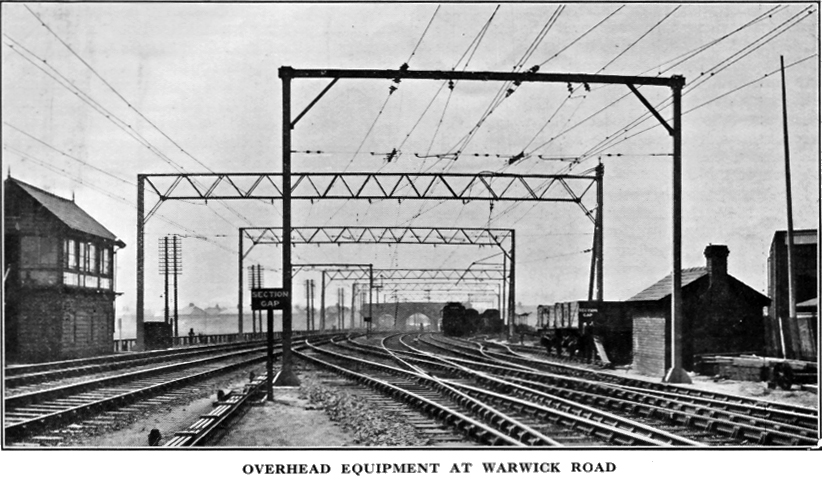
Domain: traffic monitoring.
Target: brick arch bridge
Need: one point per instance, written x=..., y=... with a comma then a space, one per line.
x=402, y=310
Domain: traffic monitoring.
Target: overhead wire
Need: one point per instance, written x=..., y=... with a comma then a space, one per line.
x=25, y=156
x=498, y=98
x=654, y=27
x=132, y=107
x=718, y=97
x=93, y=167
x=423, y=35
x=391, y=90
x=704, y=76
x=525, y=155
x=591, y=153
x=580, y=37
x=610, y=62
x=507, y=88
x=91, y=102
x=594, y=153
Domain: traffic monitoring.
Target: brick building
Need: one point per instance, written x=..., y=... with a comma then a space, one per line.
x=721, y=315
x=800, y=335
x=59, y=277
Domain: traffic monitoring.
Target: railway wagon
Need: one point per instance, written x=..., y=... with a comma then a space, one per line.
x=458, y=321
x=575, y=329
x=492, y=322
x=453, y=319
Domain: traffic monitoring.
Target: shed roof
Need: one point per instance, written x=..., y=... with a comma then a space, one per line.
x=67, y=212
x=662, y=288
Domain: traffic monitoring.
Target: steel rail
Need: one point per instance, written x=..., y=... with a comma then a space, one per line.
x=12, y=381
x=17, y=370
x=762, y=433
x=778, y=417
x=525, y=434
x=30, y=426
x=602, y=424
x=736, y=426
x=789, y=413
x=24, y=399
x=71, y=412
x=457, y=420
x=566, y=413
x=739, y=401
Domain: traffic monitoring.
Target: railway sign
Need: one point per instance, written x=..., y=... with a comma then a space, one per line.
x=270, y=299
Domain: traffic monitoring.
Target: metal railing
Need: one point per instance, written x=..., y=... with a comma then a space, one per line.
x=128, y=344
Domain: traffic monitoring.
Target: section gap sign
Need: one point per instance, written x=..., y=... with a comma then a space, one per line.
x=270, y=299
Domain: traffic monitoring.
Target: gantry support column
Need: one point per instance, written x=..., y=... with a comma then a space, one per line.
x=677, y=374
x=600, y=174
x=240, y=288
x=287, y=377
x=322, y=302
x=512, y=303
x=140, y=344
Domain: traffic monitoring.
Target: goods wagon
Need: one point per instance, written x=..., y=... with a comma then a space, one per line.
x=457, y=321
x=586, y=328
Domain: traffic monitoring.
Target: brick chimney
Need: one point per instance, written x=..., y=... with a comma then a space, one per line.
x=717, y=262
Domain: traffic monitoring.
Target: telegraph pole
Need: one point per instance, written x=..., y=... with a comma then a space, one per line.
x=322, y=301
x=793, y=330
x=178, y=266
x=165, y=274
x=353, y=298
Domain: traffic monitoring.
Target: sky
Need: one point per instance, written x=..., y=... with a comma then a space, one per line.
x=194, y=88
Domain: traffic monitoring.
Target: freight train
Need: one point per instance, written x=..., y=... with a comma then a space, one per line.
x=458, y=321
x=585, y=329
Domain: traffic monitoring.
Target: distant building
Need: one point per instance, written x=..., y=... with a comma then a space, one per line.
x=721, y=315
x=59, y=277
x=191, y=311
x=800, y=338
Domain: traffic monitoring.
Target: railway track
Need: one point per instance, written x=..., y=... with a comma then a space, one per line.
x=531, y=422
x=453, y=392
x=788, y=414
x=737, y=421
x=29, y=413
x=43, y=373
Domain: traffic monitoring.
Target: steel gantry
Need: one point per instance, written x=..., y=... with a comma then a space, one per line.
x=676, y=83
x=363, y=268
x=493, y=187
x=479, y=274
x=502, y=238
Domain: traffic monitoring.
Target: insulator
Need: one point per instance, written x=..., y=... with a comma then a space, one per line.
x=450, y=84
x=587, y=87
x=392, y=89
x=534, y=69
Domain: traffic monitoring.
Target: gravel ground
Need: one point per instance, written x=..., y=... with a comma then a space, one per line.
x=132, y=430
x=755, y=390
x=319, y=415
x=365, y=422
